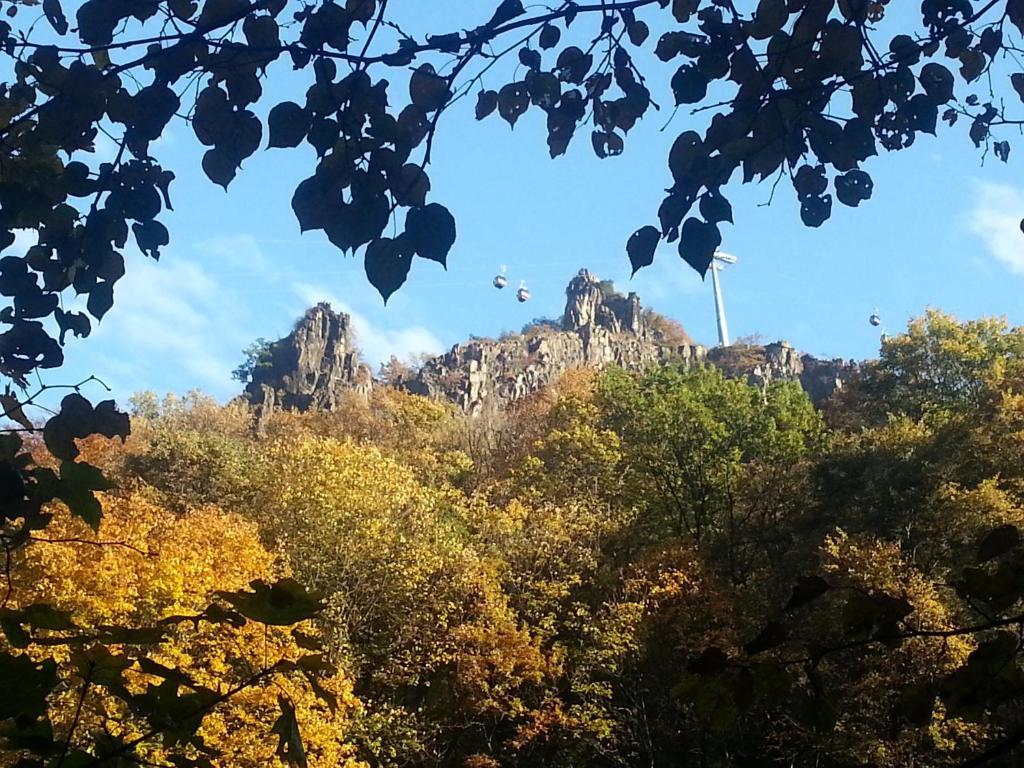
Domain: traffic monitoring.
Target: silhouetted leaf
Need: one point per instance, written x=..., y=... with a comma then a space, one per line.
x=549, y=37
x=638, y=32
x=486, y=103
x=989, y=678
x=431, y=232
x=853, y=187
x=55, y=15
x=505, y=12
x=361, y=10
x=529, y=58
x=220, y=166
x=289, y=746
x=282, y=603
x=387, y=265
x=815, y=210
x=641, y=247
x=682, y=10
x=153, y=108
x=12, y=410
x=101, y=667
x=288, y=124
x=774, y=634
x=78, y=483
x=689, y=84
x=937, y=82
x=132, y=635
x=685, y=156
x=972, y=64
x=314, y=202
x=151, y=236
x=810, y=181
x=1000, y=588
x=217, y=12
x=1015, y=12
x=410, y=185
x=77, y=418
x=26, y=685
x=806, y=589
x=769, y=18
x=715, y=208
x=513, y=101
x=672, y=44
x=710, y=662
x=573, y=65
x=1017, y=81
x=606, y=144
x=428, y=90
x=183, y=9
x=998, y=541
x=101, y=299
x=916, y=703
x=698, y=242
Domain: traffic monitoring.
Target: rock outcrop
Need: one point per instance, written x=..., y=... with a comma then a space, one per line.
x=779, y=361
x=599, y=328
x=310, y=368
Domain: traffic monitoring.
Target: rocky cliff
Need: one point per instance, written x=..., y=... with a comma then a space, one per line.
x=599, y=328
x=314, y=365
x=311, y=367
x=761, y=365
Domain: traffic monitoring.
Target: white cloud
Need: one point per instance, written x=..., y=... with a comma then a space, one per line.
x=995, y=218
x=180, y=324
x=171, y=317
x=377, y=344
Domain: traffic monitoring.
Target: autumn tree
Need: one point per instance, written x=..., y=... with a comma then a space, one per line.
x=939, y=367
x=911, y=614
x=414, y=613
x=142, y=641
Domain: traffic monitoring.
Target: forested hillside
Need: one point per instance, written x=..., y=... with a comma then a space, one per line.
x=667, y=568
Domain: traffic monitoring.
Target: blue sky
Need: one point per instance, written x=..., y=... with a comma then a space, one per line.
x=941, y=230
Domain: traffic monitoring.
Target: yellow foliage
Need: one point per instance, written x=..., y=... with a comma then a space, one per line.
x=146, y=564
x=411, y=605
x=871, y=690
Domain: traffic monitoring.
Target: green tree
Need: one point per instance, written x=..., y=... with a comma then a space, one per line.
x=256, y=354
x=575, y=459
x=708, y=456
x=938, y=367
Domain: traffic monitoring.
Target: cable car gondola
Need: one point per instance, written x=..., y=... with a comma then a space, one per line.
x=500, y=281
x=523, y=294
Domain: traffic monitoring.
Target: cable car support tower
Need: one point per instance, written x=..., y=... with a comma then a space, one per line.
x=717, y=265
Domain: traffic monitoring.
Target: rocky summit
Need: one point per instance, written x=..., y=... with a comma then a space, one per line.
x=312, y=366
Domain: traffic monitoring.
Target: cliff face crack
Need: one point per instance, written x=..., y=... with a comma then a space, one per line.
x=318, y=362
